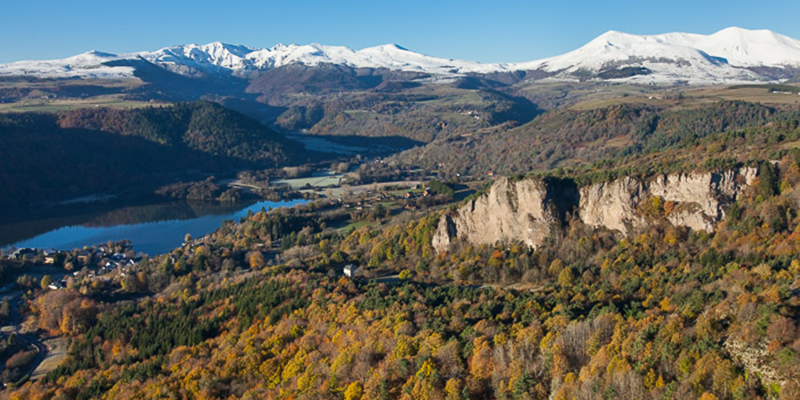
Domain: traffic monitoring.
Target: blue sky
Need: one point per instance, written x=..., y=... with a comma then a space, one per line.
x=496, y=31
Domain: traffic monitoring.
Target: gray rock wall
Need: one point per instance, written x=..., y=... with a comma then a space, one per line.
x=528, y=210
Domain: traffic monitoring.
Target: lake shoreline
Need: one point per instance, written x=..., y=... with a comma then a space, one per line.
x=153, y=228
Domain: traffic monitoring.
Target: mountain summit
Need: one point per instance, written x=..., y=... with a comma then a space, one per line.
x=730, y=55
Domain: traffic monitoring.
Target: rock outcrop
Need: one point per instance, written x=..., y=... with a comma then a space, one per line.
x=613, y=205
x=698, y=199
x=521, y=211
x=701, y=198
x=528, y=210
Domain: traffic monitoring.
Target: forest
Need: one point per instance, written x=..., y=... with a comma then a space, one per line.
x=664, y=313
x=566, y=138
x=112, y=151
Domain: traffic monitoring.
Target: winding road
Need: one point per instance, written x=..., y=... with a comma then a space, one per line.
x=40, y=356
x=25, y=339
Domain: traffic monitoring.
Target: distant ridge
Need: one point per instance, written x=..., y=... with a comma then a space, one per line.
x=728, y=56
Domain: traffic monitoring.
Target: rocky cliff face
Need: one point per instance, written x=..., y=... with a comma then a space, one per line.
x=521, y=211
x=612, y=205
x=701, y=198
x=698, y=199
x=528, y=210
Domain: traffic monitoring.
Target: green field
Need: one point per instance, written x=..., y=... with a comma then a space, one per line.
x=73, y=104
x=66, y=95
x=689, y=98
x=315, y=181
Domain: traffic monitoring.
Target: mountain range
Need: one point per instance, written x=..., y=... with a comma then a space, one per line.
x=728, y=56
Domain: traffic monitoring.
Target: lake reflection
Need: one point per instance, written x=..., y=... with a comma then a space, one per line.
x=153, y=229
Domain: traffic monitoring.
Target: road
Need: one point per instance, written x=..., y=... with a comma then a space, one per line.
x=15, y=298
x=40, y=356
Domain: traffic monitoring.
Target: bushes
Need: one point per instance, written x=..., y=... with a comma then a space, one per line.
x=21, y=359
x=767, y=180
x=441, y=188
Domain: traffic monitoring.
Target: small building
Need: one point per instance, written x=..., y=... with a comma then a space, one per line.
x=56, y=286
x=350, y=270
x=21, y=253
x=84, y=258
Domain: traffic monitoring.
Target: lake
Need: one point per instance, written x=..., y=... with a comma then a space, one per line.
x=153, y=229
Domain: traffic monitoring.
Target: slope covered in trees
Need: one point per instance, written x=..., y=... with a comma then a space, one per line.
x=565, y=138
x=420, y=114
x=57, y=156
x=199, y=126
x=259, y=308
x=664, y=313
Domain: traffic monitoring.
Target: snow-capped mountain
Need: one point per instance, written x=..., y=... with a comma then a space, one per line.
x=241, y=60
x=87, y=65
x=730, y=55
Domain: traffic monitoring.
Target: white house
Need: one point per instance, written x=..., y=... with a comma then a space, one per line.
x=351, y=269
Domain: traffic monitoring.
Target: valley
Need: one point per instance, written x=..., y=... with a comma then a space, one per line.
x=223, y=221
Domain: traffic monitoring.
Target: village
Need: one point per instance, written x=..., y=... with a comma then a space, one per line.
x=105, y=260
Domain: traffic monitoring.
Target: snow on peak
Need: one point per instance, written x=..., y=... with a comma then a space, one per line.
x=724, y=56
x=211, y=56
x=743, y=47
x=89, y=65
x=720, y=57
x=738, y=46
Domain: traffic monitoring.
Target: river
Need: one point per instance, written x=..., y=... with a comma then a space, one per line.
x=153, y=229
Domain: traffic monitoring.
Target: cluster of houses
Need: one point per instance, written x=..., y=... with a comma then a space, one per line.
x=474, y=114
x=94, y=261
x=106, y=259
x=118, y=260
x=21, y=254
x=412, y=195
x=360, y=204
x=27, y=253
x=365, y=203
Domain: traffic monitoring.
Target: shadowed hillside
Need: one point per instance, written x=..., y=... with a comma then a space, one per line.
x=99, y=150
